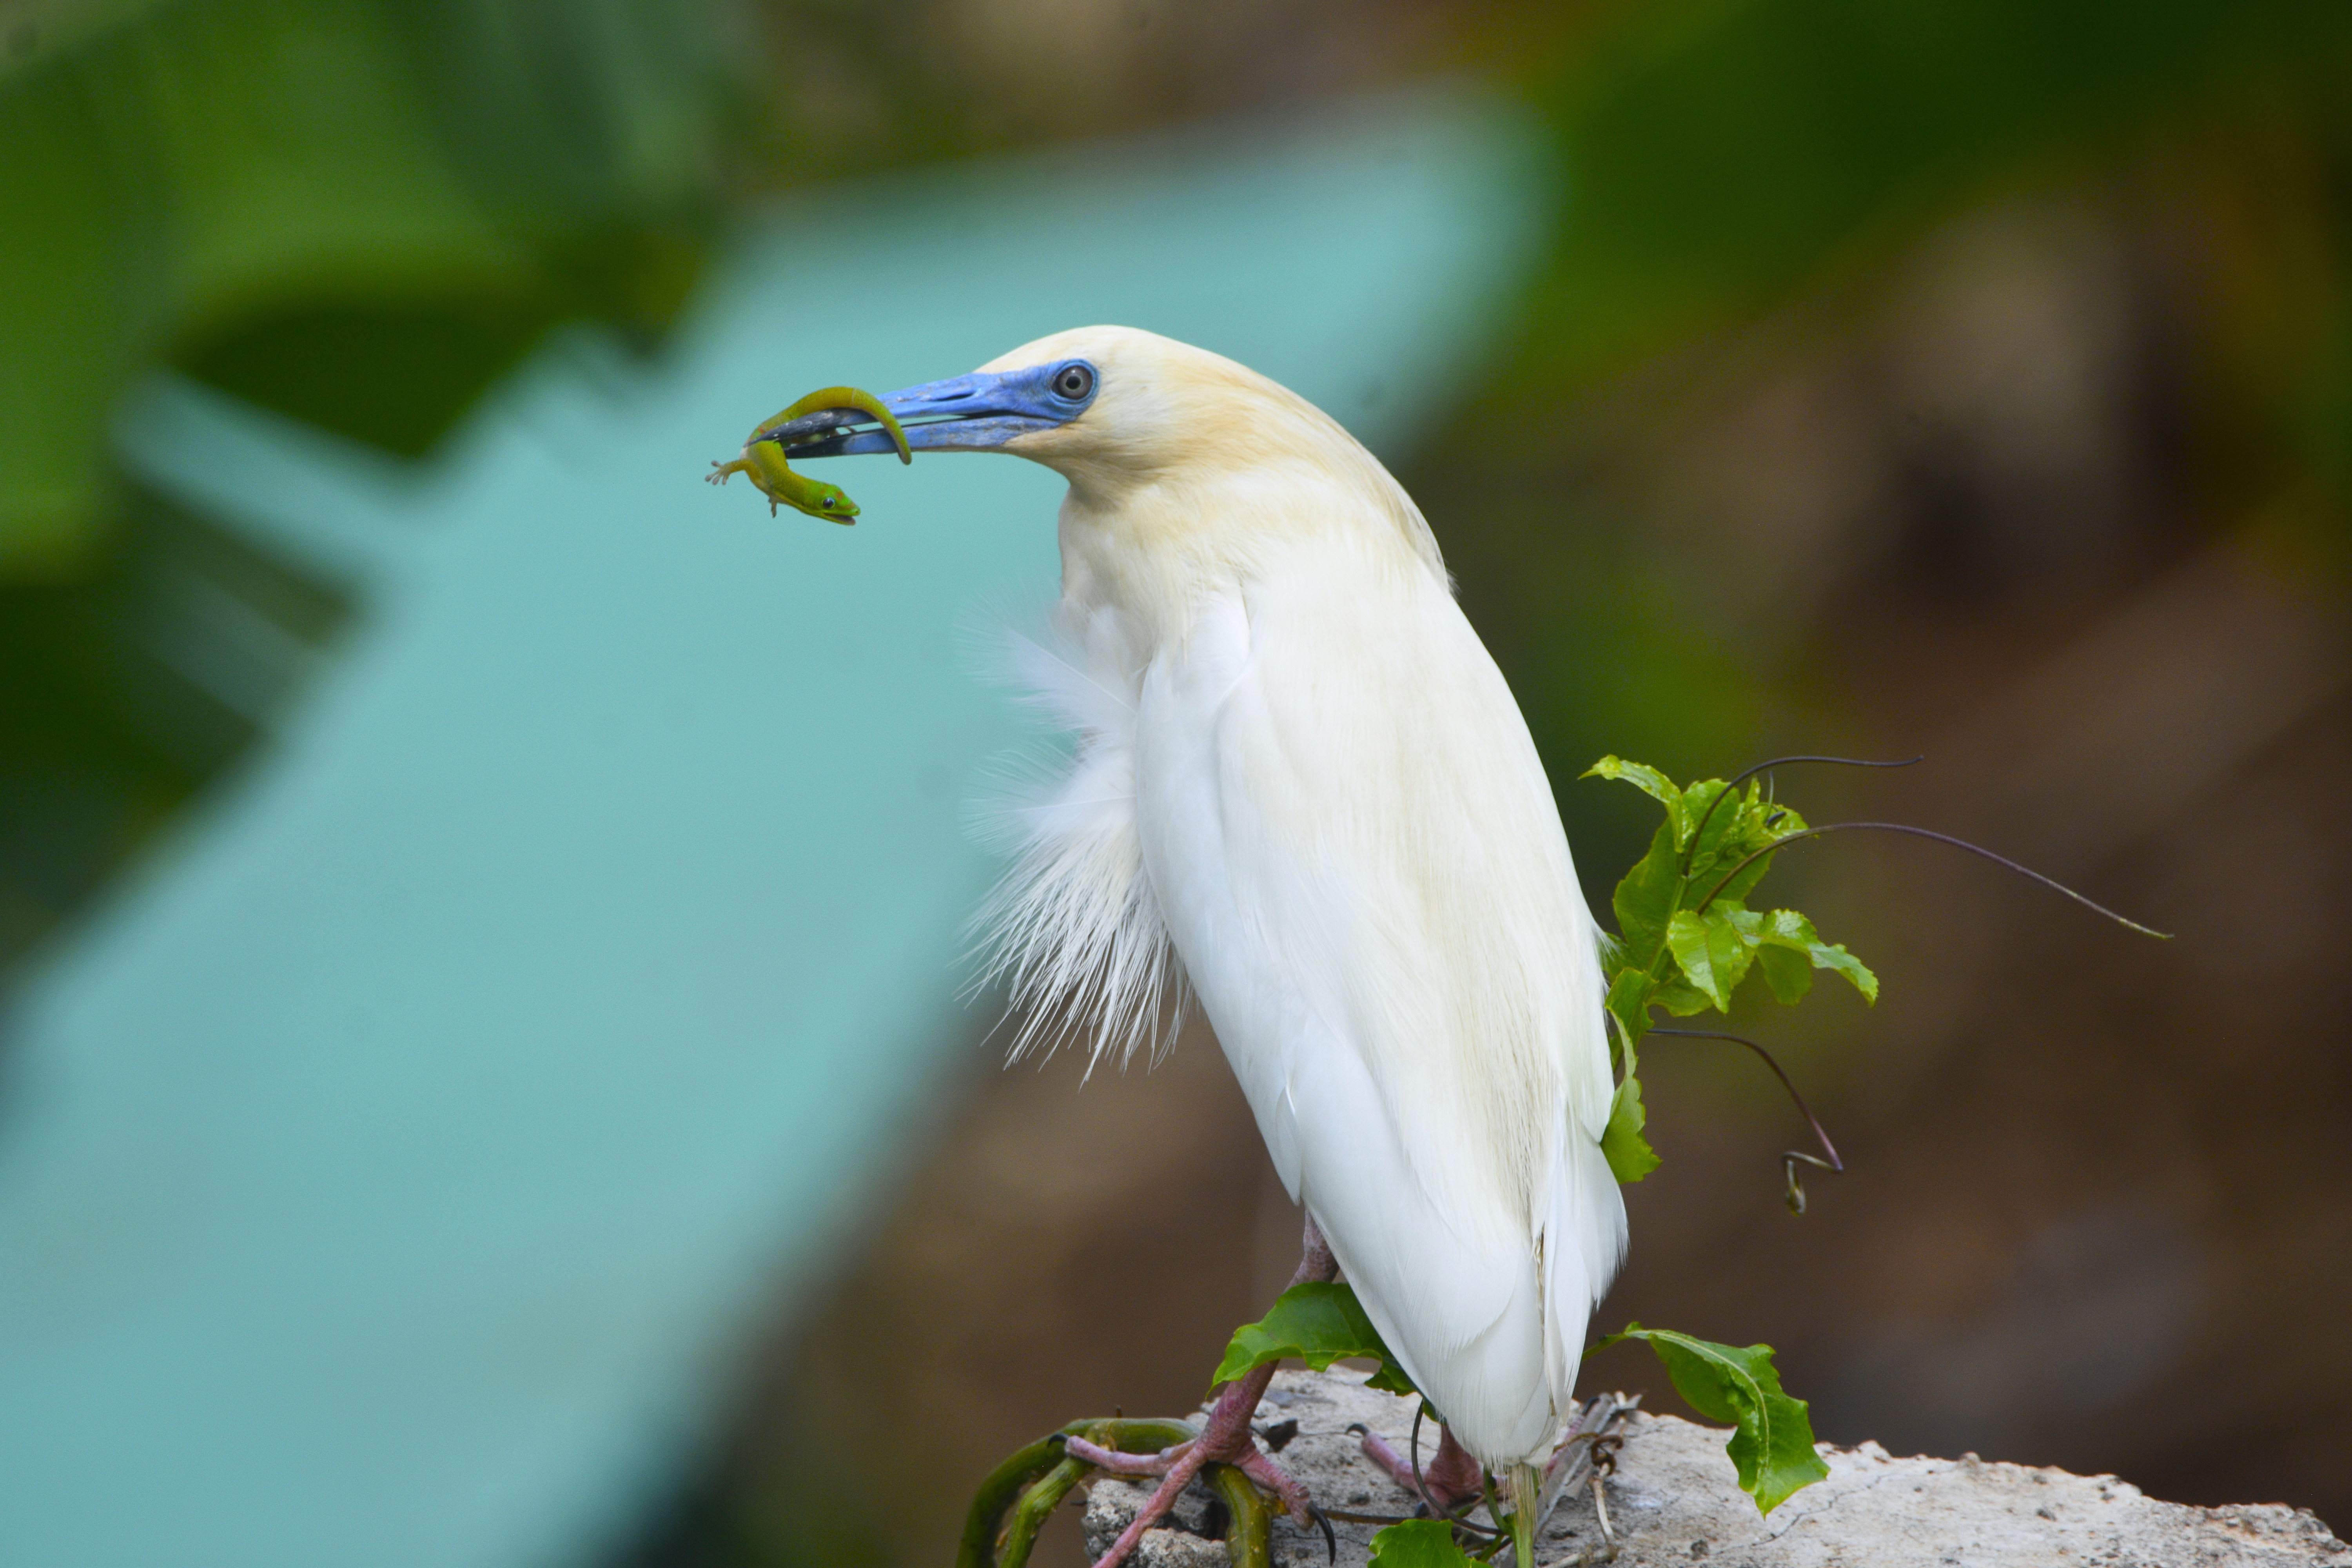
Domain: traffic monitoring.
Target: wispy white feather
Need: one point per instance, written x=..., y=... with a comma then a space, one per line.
x=1072, y=931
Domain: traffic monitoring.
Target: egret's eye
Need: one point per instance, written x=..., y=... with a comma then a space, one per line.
x=1074, y=382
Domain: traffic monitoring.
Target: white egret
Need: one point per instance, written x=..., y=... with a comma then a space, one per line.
x=1302, y=789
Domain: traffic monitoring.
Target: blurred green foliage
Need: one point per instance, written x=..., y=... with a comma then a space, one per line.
x=1723, y=152
x=356, y=211
x=1742, y=172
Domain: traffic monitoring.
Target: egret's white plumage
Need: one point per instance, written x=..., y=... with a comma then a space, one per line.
x=1073, y=933
x=1303, y=788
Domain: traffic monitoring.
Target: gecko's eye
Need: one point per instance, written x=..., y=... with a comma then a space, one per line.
x=828, y=503
x=1073, y=382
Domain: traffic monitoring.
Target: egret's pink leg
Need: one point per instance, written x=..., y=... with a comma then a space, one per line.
x=1378, y=1449
x=1452, y=1476
x=1118, y=1464
x=1227, y=1439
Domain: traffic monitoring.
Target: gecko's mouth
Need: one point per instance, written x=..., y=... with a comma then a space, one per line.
x=975, y=413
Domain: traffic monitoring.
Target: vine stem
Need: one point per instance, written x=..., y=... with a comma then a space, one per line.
x=1802, y=1109
x=1790, y=1159
x=1740, y=778
x=1904, y=828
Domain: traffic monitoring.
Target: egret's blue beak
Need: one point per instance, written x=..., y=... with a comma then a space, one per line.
x=972, y=413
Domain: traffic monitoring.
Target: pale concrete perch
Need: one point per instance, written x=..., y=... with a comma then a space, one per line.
x=1673, y=1499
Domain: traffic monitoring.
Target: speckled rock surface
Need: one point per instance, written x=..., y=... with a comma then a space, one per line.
x=1673, y=1500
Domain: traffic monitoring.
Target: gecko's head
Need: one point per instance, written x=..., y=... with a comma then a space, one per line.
x=820, y=500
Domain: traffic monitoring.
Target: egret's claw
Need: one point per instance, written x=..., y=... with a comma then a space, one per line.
x=1330, y=1540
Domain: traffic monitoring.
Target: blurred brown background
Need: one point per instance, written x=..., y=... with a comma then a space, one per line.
x=1964, y=380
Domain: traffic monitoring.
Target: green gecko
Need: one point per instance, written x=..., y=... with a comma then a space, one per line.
x=763, y=460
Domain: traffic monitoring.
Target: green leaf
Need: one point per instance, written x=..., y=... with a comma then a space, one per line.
x=1722, y=872
x=1789, y=973
x=1772, y=1446
x=1648, y=780
x=1418, y=1543
x=1712, y=952
x=1646, y=897
x=1833, y=956
x=1631, y=1158
x=1709, y=824
x=1317, y=1323
x=1709, y=885
x=1682, y=999
x=1789, y=932
x=1629, y=1003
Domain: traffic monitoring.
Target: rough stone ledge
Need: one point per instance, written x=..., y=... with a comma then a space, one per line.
x=1674, y=1500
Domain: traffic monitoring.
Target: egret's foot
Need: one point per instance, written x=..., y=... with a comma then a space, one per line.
x=1279, y=1484
x=1225, y=1450
x=1227, y=1439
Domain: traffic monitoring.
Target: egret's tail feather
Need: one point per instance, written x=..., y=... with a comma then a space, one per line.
x=1580, y=1245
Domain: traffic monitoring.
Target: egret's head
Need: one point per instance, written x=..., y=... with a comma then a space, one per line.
x=1167, y=448
x=1100, y=404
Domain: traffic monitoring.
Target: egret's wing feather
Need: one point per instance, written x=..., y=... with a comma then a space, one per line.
x=1359, y=857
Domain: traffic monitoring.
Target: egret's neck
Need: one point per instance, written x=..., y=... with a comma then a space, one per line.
x=1154, y=549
